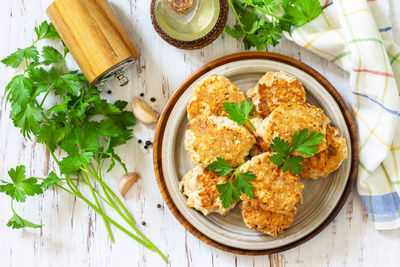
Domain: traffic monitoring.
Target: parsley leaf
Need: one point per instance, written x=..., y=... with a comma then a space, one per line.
x=231, y=192
x=239, y=112
x=16, y=222
x=293, y=163
x=306, y=144
x=51, y=179
x=72, y=164
x=19, y=89
x=220, y=166
x=51, y=56
x=46, y=31
x=228, y=194
x=302, y=142
x=28, y=119
x=20, y=186
x=302, y=11
x=15, y=59
x=243, y=185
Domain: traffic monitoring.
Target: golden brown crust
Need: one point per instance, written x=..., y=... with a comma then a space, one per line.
x=274, y=190
x=328, y=160
x=199, y=185
x=267, y=222
x=289, y=118
x=273, y=89
x=210, y=94
x=212, y=137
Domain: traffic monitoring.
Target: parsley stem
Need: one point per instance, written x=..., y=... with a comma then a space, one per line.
x=99, y=206
x=75, y=191
x=265, y=11
x=237, y=16
x=44, y=98
x=107, y=189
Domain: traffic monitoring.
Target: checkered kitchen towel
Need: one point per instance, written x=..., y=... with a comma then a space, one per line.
x=357, y=36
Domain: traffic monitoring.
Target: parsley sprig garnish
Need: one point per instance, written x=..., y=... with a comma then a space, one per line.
x=81, y=124
x=302, y=142
x=259, y=32
x=231, y=191
x=239, y=112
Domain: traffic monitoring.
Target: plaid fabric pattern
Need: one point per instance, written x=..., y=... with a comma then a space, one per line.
x=357, y=36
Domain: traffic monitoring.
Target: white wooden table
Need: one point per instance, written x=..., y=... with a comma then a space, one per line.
x=74, y=235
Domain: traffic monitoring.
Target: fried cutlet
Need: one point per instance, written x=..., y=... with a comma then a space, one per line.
x=328, y=160
x=211, y=137
x=289, y=118
x=210, y=94
x=267, y=222
x=273, y=89
x=199, y=185
x=274, y=189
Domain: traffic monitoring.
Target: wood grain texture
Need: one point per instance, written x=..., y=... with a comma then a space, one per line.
x=93, y=34
x=75, y=236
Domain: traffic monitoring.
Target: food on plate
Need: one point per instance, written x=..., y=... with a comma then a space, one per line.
x=255, y=152
x=209, y=96
x=273, y=89
x=274, y=189
x=267, y=222
x=322, y=164
x=199, y=185
x=289, y=118
x=210, y=137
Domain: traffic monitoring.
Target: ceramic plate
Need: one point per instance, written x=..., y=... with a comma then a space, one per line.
x=172, y=161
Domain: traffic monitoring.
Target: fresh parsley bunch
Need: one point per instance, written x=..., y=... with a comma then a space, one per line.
x=259, y=31
x=231, y=191
x=86, y=128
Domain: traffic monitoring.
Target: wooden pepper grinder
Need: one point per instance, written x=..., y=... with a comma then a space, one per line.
x=95, y=38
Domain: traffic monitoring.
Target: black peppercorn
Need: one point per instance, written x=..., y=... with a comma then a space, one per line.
x=142, y=94
x=109, y=92
x=139, y=141
x=159, y=206
x=148, y=143
x=152, y=99
x=146, y=147
x=143, y=223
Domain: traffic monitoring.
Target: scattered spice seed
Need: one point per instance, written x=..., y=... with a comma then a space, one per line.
x=142, y=94
x=148, y=143
x=109, y=92
x=139, y=141
x=146, y=147
x=143, y=223
x=159, y=206
x=152, y=99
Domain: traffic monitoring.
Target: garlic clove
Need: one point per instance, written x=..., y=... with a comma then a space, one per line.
x=127, y=181
x=143, y=111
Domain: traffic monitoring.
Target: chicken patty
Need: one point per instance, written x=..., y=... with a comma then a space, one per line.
x=273, y=89
x=199, y=185
x=328, y=160
x=210, y=94
x=212, y=137
x=289, y=118
x=267, y=222
x=274, y=190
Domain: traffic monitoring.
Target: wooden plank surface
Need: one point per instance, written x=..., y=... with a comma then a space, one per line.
x=73, y=235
